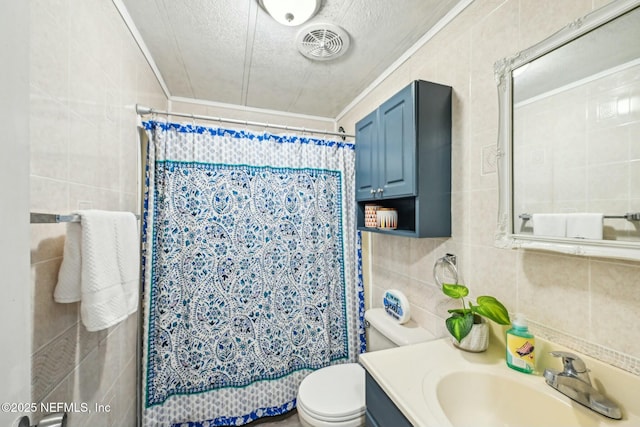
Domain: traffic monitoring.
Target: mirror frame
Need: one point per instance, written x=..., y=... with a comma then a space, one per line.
x=505, y=236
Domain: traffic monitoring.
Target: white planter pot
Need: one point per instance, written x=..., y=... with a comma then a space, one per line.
x=477, y=340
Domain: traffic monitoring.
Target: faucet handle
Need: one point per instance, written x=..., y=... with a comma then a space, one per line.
x=571, y=363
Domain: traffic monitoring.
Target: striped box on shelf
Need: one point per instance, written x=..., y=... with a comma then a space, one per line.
x=387, y=218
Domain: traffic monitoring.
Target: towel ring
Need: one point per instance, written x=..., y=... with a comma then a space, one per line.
x=448, y=261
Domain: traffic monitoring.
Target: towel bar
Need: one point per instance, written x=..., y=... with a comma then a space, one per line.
x=45, y=218
x=629, y=216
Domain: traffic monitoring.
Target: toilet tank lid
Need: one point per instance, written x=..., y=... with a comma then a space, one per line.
x=405, y=334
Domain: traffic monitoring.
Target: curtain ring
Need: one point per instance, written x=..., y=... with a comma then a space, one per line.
x=448, y=261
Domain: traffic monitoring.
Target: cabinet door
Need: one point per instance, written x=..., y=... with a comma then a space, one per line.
x=366, y=157
x=381, y=411
x=397, y=144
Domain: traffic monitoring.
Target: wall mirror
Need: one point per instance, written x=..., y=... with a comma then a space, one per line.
x=569, y=138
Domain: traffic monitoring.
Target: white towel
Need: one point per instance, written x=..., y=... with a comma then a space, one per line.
x=585, y=225
x=101, y=267
x=552, y=225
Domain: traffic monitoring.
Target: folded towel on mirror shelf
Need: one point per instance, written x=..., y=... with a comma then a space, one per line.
x=549, y=224
x=101, y=267
x=585, y=225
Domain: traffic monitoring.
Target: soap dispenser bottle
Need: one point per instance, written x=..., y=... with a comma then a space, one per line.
x=520, y=346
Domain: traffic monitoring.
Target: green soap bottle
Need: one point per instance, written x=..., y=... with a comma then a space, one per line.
x=521, y=346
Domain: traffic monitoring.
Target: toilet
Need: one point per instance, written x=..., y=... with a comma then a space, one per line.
x=334, y=396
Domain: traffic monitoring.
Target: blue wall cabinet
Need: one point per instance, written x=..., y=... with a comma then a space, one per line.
x=403, y=160
x=366, y=157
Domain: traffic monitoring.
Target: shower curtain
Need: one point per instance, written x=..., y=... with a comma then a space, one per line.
x=251, y=267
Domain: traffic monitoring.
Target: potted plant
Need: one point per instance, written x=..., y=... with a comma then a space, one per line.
x=466, y=324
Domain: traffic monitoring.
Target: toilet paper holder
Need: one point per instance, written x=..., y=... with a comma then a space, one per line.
x=58, y=419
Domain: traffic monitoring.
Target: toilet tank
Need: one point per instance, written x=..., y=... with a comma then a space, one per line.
x=385, y=332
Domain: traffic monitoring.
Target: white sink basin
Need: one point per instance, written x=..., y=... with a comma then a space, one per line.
x=480, y=398
x=437, y=385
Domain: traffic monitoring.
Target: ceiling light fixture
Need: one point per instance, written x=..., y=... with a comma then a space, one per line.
x=291, y=12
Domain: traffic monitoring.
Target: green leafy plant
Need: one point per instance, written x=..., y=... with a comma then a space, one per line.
x=461, y=321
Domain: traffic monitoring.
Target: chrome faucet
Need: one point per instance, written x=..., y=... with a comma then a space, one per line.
x=574, y=382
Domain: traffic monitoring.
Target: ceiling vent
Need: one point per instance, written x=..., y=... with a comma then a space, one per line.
x=322, y=42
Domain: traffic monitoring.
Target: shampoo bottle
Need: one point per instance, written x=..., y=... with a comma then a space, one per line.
x=520, y=346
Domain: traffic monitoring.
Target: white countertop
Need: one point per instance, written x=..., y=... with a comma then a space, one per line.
x=409, y=376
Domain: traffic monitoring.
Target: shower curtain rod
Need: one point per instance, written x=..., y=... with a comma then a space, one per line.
x=142, y=110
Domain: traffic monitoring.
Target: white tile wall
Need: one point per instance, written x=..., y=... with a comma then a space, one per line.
x=86, y=74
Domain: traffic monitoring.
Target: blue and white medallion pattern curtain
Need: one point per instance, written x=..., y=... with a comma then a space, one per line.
x=251, y=271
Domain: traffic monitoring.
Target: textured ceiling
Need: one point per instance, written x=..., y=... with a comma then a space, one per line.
x=232, y=52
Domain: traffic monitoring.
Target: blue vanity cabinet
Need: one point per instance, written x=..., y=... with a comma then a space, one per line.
x=403, y=160
x=380, y=410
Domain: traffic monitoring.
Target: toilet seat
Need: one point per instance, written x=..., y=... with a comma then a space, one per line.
x=333, y=394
